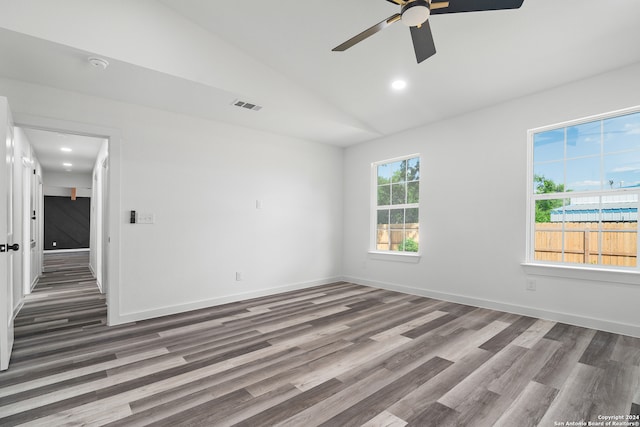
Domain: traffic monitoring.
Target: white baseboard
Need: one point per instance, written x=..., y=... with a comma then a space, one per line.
x=571, y=319
x=61, y=251
x=95, y=276
x=34, y=283
x=16, y=310
x=196, y=305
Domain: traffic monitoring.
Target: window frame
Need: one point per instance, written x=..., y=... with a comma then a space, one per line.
x=610, y=273
x=373, y=251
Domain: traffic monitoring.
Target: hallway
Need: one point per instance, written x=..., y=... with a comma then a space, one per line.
x=66, y=303
x=44, y=319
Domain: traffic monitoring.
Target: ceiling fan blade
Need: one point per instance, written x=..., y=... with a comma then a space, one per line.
x=398, y=2
x=423, y=41
x=457, y=6
x=438, y=5
x=367, y=33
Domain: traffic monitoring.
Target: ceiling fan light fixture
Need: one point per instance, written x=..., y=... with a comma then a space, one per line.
x=415, y=13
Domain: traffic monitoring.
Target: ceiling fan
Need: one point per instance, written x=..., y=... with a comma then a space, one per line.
x=415, y=14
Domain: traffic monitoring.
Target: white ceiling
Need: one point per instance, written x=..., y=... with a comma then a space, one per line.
x=278, y=55
x=47, y=146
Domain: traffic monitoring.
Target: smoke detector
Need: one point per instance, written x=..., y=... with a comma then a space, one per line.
x=98, y=62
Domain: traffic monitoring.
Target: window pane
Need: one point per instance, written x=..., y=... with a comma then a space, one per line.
x=398, y=194
x=399, y=171
x=588, y=230
x=413, y=192
x=384, y=195
x=548, y=177
x=396, y=239
x=622, y=133
x=383, y=217
x=622, y=170
x=382, y=238
x=548, y=145
x=583, y=174
x=620, y=230
x=384, y=174
x=549, y=210
x=548, y=231
x=412, y=216
x=581, y=242
x=397, y=216
x=583, y=140
x=413, y=169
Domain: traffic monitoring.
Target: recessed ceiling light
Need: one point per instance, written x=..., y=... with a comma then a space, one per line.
x=399, y=84
x=67, y=164
x=66, y=149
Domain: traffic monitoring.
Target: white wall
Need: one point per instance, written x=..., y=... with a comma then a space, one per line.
x=473, y=208
x=201, y=180
x=61, y=183
x=67, y=179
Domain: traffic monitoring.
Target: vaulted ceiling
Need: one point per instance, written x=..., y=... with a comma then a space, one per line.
x=198, y=56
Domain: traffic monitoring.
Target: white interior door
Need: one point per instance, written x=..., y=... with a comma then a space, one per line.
x=7, y=243
x=102, y=226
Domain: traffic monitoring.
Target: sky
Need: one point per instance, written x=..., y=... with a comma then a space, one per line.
x=599, y=155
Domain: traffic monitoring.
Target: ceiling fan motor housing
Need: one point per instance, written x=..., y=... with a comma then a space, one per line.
x=415, y=13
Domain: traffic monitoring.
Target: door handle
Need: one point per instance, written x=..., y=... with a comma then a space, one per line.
x=8, y=247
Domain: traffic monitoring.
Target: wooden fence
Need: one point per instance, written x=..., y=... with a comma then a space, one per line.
x=397, y=233
x=619, y=242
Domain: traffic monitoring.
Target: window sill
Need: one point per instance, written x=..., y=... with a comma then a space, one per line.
x=408, y=257
x=583, y=273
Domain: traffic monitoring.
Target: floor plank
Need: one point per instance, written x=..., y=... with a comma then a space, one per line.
x=335, y=355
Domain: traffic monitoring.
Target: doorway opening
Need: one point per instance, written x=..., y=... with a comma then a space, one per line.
x=65, y=201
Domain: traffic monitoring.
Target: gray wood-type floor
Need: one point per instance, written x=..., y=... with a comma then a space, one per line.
x=334, y=355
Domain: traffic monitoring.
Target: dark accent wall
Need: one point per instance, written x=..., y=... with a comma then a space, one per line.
x=66, y=222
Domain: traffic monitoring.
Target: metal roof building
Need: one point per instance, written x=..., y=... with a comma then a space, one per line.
x=619, y=208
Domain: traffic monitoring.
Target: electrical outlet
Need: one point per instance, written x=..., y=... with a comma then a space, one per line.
x=238, y=276
x=531, y=285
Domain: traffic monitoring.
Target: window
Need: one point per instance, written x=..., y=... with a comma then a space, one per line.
x=584, y=187
x=395, y=214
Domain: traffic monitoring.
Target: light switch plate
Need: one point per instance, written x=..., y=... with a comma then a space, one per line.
x=145, y=218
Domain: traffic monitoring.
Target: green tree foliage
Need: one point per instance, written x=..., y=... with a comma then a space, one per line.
x=544, y=207
x=398, y=182
x=408, y=245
